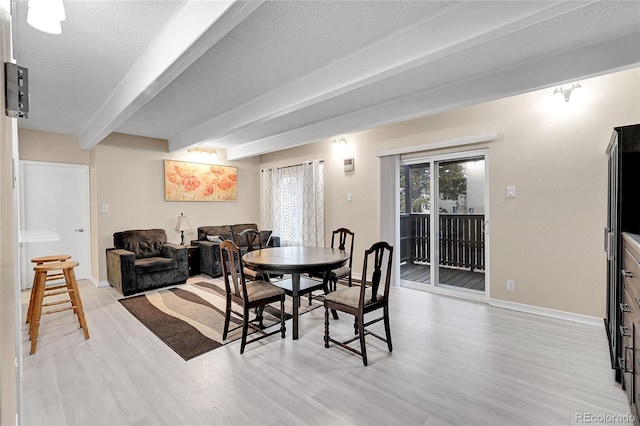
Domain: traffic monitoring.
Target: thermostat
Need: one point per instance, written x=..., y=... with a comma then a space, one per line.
x=348, y=164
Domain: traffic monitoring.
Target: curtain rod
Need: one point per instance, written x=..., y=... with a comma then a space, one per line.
x=293, y=165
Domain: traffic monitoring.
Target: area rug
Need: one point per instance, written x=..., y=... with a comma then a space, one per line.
x=190, y=318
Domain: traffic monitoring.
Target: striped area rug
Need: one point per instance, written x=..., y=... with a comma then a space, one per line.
x=190, y=318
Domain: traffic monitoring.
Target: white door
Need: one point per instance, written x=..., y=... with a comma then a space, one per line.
x=55, y=197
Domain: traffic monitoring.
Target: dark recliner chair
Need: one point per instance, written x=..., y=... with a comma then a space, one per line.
x=143, y=259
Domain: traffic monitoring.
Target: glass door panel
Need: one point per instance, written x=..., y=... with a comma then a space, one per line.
x=415, y=225
x=460, y=224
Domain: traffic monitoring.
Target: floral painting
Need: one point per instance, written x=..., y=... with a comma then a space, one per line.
x=199, y=182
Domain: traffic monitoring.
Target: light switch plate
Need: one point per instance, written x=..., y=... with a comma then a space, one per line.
x=511, y=192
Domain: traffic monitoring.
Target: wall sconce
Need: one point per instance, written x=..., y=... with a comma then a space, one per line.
x=339, y=143
x=46, y=15
x=203, y=150
x=566, y=91
x=181, y=226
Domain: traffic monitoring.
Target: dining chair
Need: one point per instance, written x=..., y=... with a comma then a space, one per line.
x=373, y=294
x=344, y=238
x=249, y=295
x=253, y=242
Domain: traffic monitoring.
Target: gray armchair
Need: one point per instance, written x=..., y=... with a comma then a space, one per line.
x=143, y=259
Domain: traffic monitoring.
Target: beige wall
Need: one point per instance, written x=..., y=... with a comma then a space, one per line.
x=549, y=238
x=51, y=147
x=8, y=283
x=129, y=174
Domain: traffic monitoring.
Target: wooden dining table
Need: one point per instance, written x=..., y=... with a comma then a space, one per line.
x=296, y=261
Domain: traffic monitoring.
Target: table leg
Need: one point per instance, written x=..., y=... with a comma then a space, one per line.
x=295, y=284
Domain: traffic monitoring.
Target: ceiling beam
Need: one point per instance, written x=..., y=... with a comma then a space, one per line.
x=401, y=52
x=619, y=54
x=193, y=31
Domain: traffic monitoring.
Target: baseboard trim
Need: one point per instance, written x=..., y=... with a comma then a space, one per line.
x=546, y=312
x=100, y=283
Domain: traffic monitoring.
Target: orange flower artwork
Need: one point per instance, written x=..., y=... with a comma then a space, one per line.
x=199, y=182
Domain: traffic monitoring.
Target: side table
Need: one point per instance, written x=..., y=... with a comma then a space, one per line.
x=193, y=257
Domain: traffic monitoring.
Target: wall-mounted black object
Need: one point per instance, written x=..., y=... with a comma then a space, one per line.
x=16, y=86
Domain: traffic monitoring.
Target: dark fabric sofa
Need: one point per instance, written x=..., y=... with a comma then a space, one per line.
x=210, y=250
x=142, y=259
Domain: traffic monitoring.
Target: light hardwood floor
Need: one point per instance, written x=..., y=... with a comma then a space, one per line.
x=454, y=362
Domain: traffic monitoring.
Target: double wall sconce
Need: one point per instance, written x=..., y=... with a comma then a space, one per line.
x=203, y=150
x=339, y=143
x=566, y=91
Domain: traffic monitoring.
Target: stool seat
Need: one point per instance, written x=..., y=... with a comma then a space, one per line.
x=61, y=268
x=55, y=266
x=51, y=258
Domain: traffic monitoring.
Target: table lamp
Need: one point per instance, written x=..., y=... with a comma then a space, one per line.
x=181, y=226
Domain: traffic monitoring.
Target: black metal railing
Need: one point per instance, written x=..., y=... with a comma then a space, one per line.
x=461, y=240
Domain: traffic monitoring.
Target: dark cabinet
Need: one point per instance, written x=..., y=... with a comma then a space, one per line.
x=623, y=216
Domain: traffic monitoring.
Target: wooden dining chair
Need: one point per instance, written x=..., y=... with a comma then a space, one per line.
x=341, y=239
x=249, y=295
x=372, y=295
x=253, y=242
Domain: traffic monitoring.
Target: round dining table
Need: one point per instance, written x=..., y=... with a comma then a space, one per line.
x=296, y=261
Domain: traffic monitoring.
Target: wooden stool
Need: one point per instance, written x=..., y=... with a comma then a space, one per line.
x=50, y=277
x=70, y=287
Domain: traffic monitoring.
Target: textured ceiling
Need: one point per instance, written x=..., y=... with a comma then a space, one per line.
x=255, y=77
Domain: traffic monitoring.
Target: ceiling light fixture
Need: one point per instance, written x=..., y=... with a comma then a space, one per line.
x=202, y=150
x=566, y=91
x=46, y=15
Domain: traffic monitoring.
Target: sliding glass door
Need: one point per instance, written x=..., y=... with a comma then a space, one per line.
x=443, y=236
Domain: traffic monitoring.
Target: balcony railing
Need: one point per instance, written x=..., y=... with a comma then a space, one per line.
x=461, y=240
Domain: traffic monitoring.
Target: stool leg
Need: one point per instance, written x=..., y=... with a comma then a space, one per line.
x=70, y=278
x=40, y=280
x=32, y=298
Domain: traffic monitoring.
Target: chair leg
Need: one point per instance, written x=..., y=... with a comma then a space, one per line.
x=363, y=346
x=355, y=326
x=282, y=327
x=387, y=328
x=326, y=327
x=245, y=329
x=310, y=298
x=227, y=318
x=259, y=317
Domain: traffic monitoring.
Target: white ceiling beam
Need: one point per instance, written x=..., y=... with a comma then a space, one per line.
x=466, y=25
x=619, y=53
x=194, y=30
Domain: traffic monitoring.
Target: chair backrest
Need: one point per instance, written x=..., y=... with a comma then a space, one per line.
x=252, y=238
x=232, y=267
x=345, y=238
x=380, y=257
x=143, y=242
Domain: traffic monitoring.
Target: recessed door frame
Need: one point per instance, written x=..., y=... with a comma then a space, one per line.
x=433, y=160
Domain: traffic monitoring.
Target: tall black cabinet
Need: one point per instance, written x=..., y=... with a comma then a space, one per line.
x=623, y=216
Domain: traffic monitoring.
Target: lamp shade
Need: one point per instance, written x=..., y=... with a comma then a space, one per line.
x=182, y=224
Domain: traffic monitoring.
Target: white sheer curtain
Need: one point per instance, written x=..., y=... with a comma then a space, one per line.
x=293, y=203
x=390, y=210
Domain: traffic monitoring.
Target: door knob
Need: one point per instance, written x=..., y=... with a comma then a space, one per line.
x=79, y=230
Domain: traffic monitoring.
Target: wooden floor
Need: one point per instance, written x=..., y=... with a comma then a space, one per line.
x=421, y=273
x=454, y=362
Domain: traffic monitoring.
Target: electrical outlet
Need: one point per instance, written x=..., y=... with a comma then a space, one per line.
x=511, y=285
